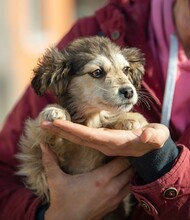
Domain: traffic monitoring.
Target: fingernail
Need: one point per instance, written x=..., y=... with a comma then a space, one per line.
x=46, y=123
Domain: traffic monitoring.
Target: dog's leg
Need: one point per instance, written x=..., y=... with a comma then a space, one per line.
x=31, y=167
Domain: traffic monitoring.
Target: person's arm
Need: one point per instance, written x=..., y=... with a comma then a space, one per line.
x=150, y=149
x=168, y=192
x=134, y=143
x=150, y=167
x=168, y=195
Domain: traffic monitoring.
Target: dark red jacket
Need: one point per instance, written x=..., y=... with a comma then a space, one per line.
x=166, y=198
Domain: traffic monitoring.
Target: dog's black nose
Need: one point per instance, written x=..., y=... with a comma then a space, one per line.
x=127, y=92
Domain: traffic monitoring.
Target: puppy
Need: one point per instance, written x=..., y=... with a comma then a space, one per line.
x=96, y=83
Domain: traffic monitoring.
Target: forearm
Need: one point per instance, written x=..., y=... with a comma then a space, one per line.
x=168, y=193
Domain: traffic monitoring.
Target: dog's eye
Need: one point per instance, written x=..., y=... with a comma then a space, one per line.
x=97, y=73
x=126, y=70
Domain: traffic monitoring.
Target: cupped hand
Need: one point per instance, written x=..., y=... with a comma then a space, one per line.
x=88, y=196
x=112, y=142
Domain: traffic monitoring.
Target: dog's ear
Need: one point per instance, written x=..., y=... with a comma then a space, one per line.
x=51, y=72
x=136, y=61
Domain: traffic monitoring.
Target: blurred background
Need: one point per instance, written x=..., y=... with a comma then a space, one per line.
x=27, y=27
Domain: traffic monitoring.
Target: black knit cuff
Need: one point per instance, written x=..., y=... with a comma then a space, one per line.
x=41, y=212
x=156, y=163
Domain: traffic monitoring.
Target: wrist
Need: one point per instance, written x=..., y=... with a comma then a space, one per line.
x=41, y=212
x=156, y=163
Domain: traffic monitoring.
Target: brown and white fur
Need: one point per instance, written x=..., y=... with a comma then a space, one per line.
x=96, y=84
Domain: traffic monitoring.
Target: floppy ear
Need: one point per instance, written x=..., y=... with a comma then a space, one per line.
x=51, y=72
x=136, y=61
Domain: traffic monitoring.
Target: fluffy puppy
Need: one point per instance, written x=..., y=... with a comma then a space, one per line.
x=96, y=83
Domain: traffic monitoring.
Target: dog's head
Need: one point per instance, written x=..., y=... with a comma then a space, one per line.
x=94, y=72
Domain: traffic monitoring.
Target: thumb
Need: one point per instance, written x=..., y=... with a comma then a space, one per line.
x=50, y=163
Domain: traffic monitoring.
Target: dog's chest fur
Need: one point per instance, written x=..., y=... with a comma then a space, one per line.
x=76, y=159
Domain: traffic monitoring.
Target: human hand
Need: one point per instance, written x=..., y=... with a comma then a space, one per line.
x=112, y=142
x=88, y=196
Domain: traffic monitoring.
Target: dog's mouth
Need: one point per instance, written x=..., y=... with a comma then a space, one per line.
x=125, y=106
x=117, y=107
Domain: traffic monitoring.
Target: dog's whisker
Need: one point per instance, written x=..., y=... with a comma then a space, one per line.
x=142, y=91
x=145, y=94
x=145, y=98
x=142, y=100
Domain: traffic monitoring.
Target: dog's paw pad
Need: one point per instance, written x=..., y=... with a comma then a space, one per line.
x=52, y=113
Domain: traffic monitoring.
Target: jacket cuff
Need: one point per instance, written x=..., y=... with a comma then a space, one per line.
x=155, y=164
x=41, y=212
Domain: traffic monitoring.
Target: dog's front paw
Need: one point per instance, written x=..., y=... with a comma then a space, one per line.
x=127, y=124
x=53, y=112
x=130, y=121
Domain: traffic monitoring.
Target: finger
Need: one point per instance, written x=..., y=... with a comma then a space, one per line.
x=48, y=126
x=122, y=183
x=120, y=186
x=124, y=178
x=109, y=141
x=112, y=169
x=91, y=138
x=73, y=138
x=124, y=192
x=50, y=163
x=90, y=134
x=156, y=134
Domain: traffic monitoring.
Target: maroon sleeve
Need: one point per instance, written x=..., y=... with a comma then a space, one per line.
x=16, y=202
x=167, y=196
